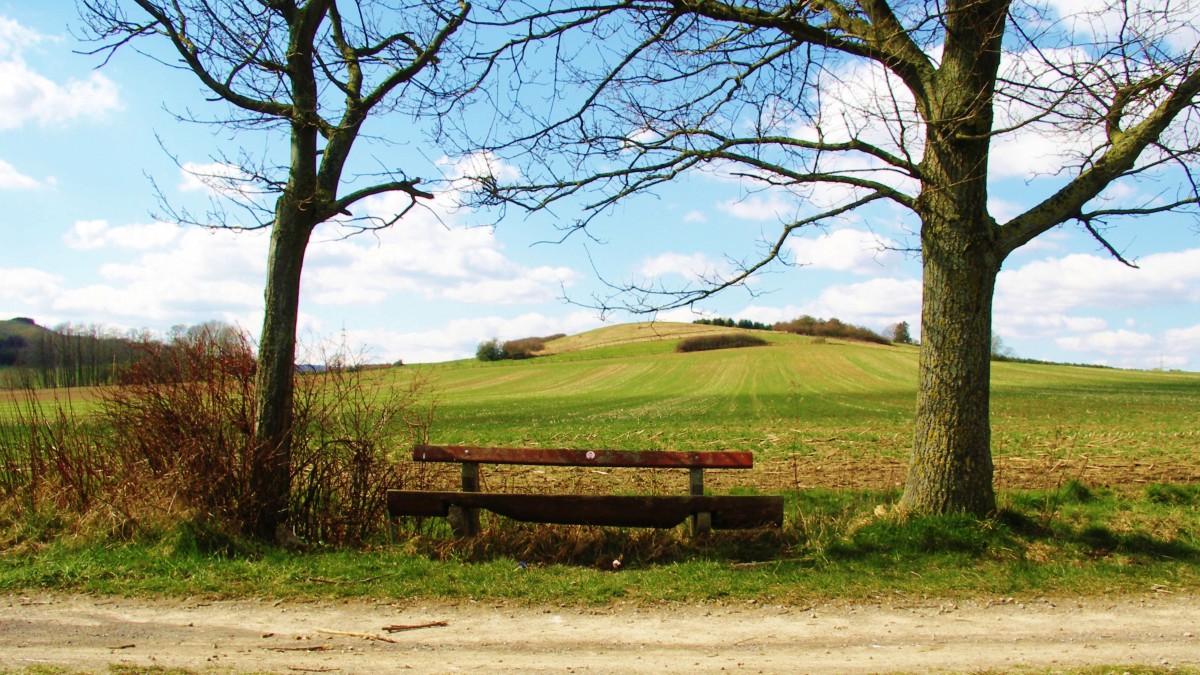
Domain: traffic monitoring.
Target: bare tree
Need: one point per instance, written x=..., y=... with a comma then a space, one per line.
x=840, y=104
x=313, y=71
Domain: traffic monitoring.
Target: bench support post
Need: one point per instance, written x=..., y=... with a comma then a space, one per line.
x=464, y=522
x=701, y=522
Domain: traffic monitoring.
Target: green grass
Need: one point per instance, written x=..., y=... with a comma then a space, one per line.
x=837, y=544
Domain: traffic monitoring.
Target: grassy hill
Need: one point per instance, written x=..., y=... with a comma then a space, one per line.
x=801, y=399
x=20, y=327
x=16, y=335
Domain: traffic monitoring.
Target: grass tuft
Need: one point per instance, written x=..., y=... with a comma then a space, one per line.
x=1174, y=495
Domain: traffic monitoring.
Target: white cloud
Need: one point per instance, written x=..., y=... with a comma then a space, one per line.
x=875, y=303
x=159, y=274
x=695, y=217
x=773, y=208
x=1175, y=22
x=203, y=274
x=25, y=95
x=14, y=38
x=478, y=165
x=1025, y=325
x=11, y=179
x=849, y=250
x=1081, y=280
x=520, y=290
x=219, y=179
x=30, y=287
x=693, y=267
x=421, y=256
x=96, y=234
x=1182, y=340
x=459, y=338
x=1111, y=343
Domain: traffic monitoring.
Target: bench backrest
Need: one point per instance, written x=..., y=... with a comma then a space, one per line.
x=563, y=457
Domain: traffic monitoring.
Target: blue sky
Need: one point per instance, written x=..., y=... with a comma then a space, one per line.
x=82, y=148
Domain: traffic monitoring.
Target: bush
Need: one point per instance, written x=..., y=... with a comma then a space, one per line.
x=702, y=343
x=490, y=350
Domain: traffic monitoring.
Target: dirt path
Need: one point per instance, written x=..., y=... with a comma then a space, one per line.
x=90, y=633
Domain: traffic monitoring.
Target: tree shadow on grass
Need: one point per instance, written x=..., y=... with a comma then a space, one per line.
x=1035, y=520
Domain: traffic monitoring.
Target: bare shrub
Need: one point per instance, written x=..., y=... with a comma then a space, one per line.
x=702, y=343
x=184, y=417
x=185, y=420
x=352, y=438
x=48, y=455
x=830, y=328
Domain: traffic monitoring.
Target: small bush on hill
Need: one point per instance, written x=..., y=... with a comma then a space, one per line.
x=707, y=342
x=830, y=328
x=490, y=350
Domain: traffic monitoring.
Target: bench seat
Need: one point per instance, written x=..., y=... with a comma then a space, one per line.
x=729, y=512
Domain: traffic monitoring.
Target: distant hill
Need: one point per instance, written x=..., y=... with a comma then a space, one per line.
x=16, y=336
x=631, y=333
x=21, y=327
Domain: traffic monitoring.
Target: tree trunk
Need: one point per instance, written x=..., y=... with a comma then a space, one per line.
x=270, y=470
x=951, y=469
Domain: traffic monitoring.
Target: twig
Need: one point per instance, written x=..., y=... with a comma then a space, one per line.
x=399, y=627
x=322, y=580
x=316, y=648
x=365, y=636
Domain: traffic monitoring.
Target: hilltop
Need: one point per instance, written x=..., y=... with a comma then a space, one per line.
x=22, y=327
x=631, y=333
x=16, y=336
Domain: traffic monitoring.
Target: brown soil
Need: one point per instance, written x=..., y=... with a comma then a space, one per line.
x=1020, y=473
x=91, y=634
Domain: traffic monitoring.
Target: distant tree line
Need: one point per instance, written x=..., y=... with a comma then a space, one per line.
x=68, y=356
x=90, y=355
x=730, y=323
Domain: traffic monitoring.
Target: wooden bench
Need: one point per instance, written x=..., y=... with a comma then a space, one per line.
x=726, y=512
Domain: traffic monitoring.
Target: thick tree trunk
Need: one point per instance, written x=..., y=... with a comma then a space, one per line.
x=951, y=469
x=270, y=470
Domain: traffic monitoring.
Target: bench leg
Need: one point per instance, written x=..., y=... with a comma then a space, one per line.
x=465, y=522
x=701, y=522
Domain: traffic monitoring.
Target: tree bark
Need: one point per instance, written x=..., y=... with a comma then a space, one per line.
x=270, y=470
x=951, y=468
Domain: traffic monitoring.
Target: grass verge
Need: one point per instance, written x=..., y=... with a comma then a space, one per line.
x=1074, y=540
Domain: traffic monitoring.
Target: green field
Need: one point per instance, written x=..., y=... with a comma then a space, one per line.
x=801, y=399
x=1097, y=468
